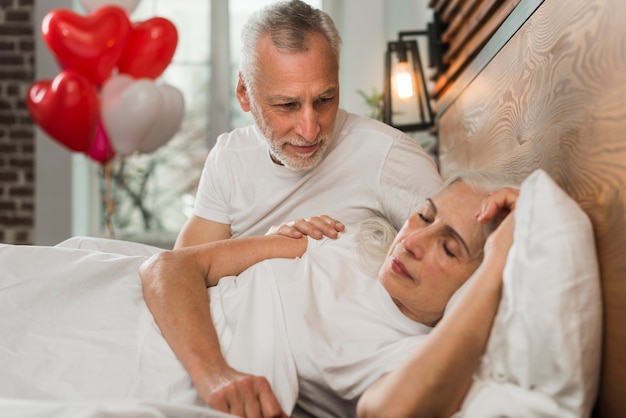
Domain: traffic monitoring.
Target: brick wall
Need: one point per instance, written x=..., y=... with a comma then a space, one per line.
x=17, y=133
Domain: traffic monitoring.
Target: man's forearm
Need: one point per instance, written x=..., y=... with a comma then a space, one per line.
x=174, y=286
x=175, y=292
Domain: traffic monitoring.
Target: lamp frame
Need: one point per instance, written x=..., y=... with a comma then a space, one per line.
x=400, y=47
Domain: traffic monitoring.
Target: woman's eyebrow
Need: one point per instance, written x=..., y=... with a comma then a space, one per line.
x=453, y=232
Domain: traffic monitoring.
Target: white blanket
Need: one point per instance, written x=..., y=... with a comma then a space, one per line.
x=78, y=340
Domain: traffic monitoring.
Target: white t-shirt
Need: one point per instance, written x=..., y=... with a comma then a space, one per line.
x=324, y=322
x=371, y=169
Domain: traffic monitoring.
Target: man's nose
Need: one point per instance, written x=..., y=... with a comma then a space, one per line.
x=308, y=124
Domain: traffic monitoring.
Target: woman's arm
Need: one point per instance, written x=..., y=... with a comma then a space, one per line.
x=174, y=286
x=434, y=380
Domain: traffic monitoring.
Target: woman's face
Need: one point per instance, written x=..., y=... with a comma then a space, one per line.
x=434, y=253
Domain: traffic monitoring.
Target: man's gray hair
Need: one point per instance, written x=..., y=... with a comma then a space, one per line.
x=288, y=23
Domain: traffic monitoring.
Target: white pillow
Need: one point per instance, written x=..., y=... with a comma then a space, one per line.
x=543, y=355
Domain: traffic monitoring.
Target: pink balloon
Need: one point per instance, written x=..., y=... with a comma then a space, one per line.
x=101, y=150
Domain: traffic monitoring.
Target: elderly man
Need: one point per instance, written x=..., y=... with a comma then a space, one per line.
x=303, y=156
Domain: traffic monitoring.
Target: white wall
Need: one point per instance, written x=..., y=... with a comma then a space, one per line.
x=366, y=26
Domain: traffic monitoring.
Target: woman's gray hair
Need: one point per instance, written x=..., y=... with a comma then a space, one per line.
x=288, y=23
x=485, y=181
x=375, y=235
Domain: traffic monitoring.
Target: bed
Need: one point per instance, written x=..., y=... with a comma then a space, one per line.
x=548, y=90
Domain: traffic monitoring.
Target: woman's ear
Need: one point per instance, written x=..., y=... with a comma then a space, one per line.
x=242, y=95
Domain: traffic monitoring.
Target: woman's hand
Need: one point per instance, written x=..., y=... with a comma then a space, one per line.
x=316, y=227
x=499, y=207
x=240, y=394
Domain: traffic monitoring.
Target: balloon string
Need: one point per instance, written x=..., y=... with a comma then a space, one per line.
x=110, y=205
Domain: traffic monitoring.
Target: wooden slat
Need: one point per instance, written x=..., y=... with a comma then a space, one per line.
x=458, y=20
x=453, y=7
x=473, y=46
x=479, y=18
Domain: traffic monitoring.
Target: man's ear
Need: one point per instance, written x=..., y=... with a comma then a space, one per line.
x=242, y=94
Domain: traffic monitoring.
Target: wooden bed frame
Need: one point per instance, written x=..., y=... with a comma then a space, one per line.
x=548, y=90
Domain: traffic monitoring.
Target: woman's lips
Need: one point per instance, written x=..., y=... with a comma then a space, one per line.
x=398, y=268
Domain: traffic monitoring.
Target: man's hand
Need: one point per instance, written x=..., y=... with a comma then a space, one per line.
x=240, y=394
x=316, y=227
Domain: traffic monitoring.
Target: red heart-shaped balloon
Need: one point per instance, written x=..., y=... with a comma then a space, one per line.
x=149, y=48
x=67, y=108
x=91, y=45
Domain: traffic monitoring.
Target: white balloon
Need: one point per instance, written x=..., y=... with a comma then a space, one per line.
x=170, y=120
x=113, y=88
x=138, y=115
x=93, y=5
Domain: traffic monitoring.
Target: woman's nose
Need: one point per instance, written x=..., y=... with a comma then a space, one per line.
x=416, y=243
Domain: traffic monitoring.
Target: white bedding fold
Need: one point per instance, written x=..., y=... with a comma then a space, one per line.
x=71, y=318
x=78, y=336
x=22, y=408
x=82, y=335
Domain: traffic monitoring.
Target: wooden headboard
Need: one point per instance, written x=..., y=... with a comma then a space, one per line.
x=548, y=90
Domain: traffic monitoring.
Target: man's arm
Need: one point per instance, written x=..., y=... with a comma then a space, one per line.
x=198, y=231
x=174, y=286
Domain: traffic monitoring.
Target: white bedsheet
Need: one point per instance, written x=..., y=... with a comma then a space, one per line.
x=77, y=339
x=105, y=408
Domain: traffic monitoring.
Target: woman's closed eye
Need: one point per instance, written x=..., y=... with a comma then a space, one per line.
x=425, y=218
x=447, y=250
x=427, y=214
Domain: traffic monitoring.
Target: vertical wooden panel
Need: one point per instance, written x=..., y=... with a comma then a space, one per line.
x=555, y=98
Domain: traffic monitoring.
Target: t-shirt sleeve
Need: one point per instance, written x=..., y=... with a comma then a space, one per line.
x=409, y=176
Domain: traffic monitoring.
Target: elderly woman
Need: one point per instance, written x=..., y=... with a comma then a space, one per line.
x=327, y=322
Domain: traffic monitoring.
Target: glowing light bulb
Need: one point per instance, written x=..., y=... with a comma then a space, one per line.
x=403, y=81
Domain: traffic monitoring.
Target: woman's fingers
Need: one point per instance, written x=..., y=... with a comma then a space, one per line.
x=497, y=205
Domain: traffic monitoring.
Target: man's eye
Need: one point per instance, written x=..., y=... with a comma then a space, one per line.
x=287, y=106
